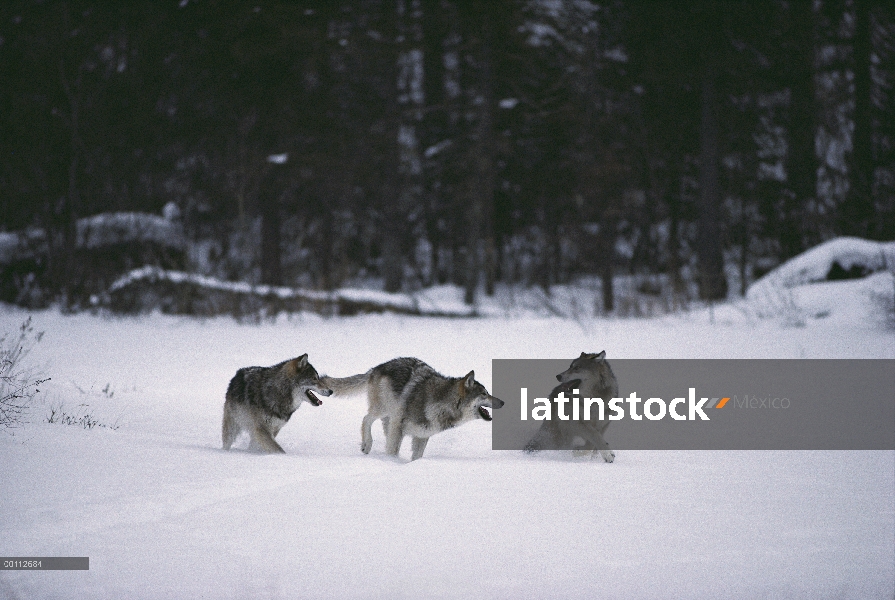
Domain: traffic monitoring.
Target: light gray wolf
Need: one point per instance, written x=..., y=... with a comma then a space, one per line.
x=414, y=399
x=592, y=376
x=260, y=401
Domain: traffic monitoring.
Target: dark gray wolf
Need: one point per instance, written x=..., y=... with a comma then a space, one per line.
x=414, y=399
x=592, y=376
x=260, y=401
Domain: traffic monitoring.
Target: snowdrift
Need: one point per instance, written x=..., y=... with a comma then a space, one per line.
x=839, y=258
x=810, y=282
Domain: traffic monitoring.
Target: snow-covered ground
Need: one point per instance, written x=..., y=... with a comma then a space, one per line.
x=163, y=512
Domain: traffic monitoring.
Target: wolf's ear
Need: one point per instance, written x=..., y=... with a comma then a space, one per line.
x=601, y=355
x=469, y=379
x=290, y=368
x=296, y=364
x=583, y=355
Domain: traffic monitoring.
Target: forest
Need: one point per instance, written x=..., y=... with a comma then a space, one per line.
x=398, y=145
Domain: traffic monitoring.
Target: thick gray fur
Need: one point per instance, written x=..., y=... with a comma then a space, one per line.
x=414, y=399
x=260, y=400
x=592, y=376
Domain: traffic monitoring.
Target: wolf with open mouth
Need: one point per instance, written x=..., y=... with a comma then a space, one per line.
x=414, y=399
x=260, y=400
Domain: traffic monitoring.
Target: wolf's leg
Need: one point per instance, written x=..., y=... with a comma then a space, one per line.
x=536, y=442
x=580, y=436
x=419, y=446
x=608, y=454
x=602, y=446
x=394, y=437
x=385, y=425
x=229, y=428
x=581, y=439
x=366, y=436
x=263, y=441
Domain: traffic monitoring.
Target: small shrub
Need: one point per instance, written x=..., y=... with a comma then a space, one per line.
x=18, y=384
x=81, y=417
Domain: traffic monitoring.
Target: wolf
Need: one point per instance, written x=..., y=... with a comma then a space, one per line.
x=414, y=399
x=592, y=377
x=260, y=401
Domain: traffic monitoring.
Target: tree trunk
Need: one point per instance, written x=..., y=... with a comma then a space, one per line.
x=712, y=283
x=802, y=162
x=607, y=241
x=481, y=254
x=486, y=177
x=674, y=247
x=471, y=280
x=409, y=98
x=857, y=213
x=271, y=265
x=68, y=273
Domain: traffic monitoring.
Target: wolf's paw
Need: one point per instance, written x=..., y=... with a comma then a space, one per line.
x=608, y=455
x=365, y=446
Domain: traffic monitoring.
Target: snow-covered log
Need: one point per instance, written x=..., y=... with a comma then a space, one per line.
x=176, y=292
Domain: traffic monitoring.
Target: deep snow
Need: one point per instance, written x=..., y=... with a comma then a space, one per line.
x=162, y=512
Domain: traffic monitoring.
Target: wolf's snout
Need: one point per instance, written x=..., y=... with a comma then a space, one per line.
x=559, y=377
x=326, y=392
x=497, y=402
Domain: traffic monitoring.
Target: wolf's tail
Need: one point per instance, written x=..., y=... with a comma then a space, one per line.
x=346, y=385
